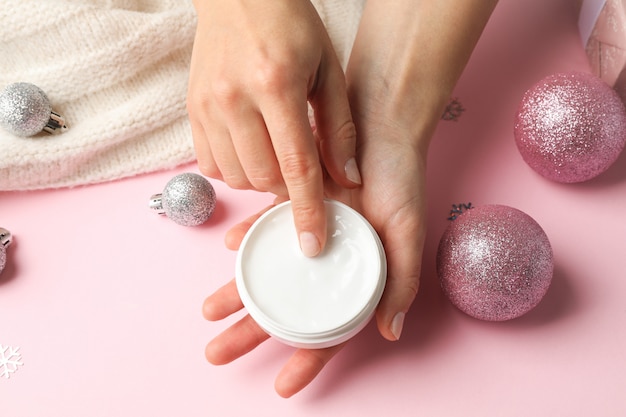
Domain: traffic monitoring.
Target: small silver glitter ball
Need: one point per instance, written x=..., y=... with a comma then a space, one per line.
x=188, y=199
x=570, y=127
x=3, y=258
x=24, y=109
x=5, y=241
x=494, y=262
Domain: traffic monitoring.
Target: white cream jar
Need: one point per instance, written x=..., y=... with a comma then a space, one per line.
x=311, y=302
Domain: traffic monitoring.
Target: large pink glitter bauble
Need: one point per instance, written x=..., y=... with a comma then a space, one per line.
x=570, y=127
x=494, y=262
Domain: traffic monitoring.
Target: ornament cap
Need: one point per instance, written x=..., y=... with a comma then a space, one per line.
x=56, y=124
x=156, y=203
x=5, y=237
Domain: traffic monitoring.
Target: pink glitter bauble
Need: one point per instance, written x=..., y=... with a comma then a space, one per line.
x=570, y=127
x=494, y=262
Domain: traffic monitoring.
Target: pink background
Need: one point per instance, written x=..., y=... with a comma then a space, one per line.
x=104, y=297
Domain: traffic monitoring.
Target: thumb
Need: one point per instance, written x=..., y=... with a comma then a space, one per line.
x=335, y=128
x=403, y=245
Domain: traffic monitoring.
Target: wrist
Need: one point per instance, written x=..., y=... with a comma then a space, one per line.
x=407, y=59
x=393, y=103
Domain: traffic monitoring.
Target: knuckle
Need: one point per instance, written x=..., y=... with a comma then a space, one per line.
x=306, y=213
x=346, y=132
x=196, y=100
x=207, y=165
x=412, y=287
x=273, y=77
x=298, y=168
x=225, y=92
x=267, y=182
x=237, y=182
x=209, y=170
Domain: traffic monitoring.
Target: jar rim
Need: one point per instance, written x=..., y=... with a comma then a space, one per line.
x=311, y=302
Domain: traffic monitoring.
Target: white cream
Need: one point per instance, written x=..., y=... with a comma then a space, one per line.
x=311, y=302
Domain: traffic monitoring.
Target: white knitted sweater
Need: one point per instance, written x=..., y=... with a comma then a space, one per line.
x=117, y=70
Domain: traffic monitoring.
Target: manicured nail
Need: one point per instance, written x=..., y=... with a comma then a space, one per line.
x=309, y=244
x=396, y=325
x=352, y=171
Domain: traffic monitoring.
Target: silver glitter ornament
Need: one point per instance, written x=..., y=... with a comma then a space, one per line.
x=5, y=241
x=188, y=199
x=25, y=111
x=494, y=262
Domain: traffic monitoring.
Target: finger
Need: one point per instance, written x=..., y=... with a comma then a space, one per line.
x=253, y=147
x=204, y=156
x=303, y=366
x=334, y=125
x=403, y=246
x=222, y=303
x=235, y=235
x=225, y=156
x=298, y=158
x=239, y=339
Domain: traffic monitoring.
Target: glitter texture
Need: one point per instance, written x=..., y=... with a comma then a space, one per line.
x=189, y=199
x=570, y=127
x=5, y=240
x=3, y=257
x=494, y=263
x=24, y=109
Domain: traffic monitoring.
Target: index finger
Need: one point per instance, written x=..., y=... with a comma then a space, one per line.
x=297, y=154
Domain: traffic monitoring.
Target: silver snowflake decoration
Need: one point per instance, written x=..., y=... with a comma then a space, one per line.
x=10, y=359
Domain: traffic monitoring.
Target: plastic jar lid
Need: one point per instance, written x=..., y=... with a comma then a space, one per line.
x=311, y=302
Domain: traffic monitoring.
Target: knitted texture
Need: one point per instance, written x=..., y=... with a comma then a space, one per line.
x=117, y=70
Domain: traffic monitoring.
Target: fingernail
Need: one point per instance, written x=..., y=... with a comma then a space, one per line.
x=352, y=171
x=396, y=325
x=309, y=244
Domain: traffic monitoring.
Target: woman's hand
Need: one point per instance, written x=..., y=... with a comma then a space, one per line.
x=403, y=67
x=255, y=67
x=392, y=199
